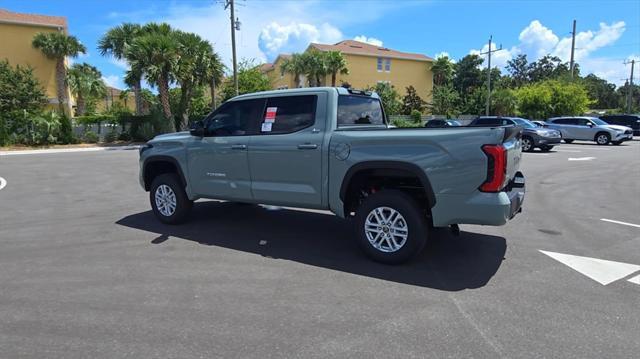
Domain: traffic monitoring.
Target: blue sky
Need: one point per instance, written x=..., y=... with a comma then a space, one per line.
x=608, y=32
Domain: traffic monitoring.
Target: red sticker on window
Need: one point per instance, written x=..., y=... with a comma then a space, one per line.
x=271, y=114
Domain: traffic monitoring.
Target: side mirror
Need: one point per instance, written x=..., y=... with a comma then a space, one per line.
x=590, y=124
x=197, y=129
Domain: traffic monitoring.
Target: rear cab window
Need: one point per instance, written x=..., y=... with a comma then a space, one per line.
x=354, y=110
x=288, y=114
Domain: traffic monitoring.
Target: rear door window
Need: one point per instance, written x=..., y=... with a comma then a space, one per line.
x=288, y=114
x=359, y=110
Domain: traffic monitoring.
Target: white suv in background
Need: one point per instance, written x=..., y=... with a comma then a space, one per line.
x=590, y=129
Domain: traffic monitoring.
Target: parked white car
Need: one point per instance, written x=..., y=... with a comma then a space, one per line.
x=590, y=129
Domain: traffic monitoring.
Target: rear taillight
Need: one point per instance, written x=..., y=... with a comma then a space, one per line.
x=496, y=169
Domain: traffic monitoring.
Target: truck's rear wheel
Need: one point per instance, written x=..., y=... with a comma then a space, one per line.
x=168, y=199
x=391, y=227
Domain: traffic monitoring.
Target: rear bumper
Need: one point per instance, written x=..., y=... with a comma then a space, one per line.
x=492, y=209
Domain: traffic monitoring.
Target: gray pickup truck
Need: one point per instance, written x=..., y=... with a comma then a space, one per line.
x=331, y=149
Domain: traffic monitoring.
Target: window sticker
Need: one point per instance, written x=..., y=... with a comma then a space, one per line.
x=271, y=115
x=266, y=126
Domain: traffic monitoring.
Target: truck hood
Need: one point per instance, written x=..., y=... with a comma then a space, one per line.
x=176, y=136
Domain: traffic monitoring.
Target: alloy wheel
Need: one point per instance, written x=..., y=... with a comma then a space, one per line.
x=386, y=229
x=165, y=200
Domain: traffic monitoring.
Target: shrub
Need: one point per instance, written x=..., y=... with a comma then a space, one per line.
x=416, y=116
x=398, y=122
x=66, y=131
x=124, y=136
x=90, y=137
x=111, y=136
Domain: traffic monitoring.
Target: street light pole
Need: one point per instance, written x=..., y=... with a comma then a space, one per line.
x=573, y=47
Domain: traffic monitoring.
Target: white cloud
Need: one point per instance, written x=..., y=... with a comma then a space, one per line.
x=368, y=40
x=113, y=81
x=537, y=40
x=294, y=37
x=123, y=64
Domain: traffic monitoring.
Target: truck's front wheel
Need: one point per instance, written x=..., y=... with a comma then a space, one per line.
x=391, y=227
x=168, y=199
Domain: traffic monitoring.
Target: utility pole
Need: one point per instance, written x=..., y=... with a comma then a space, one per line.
x=235, y=25
x=573, y=47
x=489, y=73
x=630, y=94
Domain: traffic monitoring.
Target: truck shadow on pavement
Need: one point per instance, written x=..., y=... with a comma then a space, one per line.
x=448, y=263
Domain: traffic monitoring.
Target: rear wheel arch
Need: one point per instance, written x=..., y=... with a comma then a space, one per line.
x=367, y=173
x=157, y=165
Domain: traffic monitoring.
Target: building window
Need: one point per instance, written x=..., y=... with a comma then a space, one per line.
x=379, y=63
x=387, y=65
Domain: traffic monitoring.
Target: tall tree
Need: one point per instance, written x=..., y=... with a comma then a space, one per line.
x=468, y=75
x=114, y=43
x=442, y=70
x=314, y=66
x=294, y=65
x=518, y=68
x=155, y=53
x=412, y=101
x=601, y=91
x=86, y=84
x=191, y=70
x=250, y=79
x=215, y=74
x=444, y=100
x=335, y=63
x=389, y=96
x=57, y=46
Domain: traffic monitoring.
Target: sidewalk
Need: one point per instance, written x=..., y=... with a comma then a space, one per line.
x=69, y=150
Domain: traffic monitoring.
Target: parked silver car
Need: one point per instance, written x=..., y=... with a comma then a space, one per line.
x=590, y=129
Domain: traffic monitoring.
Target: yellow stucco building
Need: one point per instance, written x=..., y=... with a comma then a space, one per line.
x=368, y=64
x=17, y=31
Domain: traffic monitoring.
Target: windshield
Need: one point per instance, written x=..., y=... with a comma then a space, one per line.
x=359, y=110
x=524, y=123
x=598, y=121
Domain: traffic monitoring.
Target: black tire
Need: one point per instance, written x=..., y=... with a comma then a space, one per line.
x=616, y=143
x=183, y=204
x=546, y=148
x=567, y=141
x=600, y=138
x=528, y=145
x=414, y=220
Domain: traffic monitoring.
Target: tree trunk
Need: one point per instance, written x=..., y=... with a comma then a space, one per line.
x=318, y=81
x=61, y=84
x=80, y=105
x=163, y=89
x=297, y=80
x=185, y=105
x=333, y=79
x=212, y=88
x=138, y=95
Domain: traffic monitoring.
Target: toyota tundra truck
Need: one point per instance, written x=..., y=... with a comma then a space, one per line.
x=333, y=149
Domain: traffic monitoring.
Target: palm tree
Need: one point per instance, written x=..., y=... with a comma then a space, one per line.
x=215, y=74
x=114, y=43
x=57, y=46
x=124, y=97
x=335, y=63
x=442, y=70
x=314, y=67
x=295, y=65
x=191, y=69
x=86, y=83
x=155, y=54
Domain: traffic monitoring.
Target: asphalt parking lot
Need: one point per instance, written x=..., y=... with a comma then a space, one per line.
x=86, y=271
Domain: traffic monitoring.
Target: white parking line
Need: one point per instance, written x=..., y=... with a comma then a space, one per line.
x=635, y=279
x=563, y=150
x=619, y=222
x=581, y=158
x=3, y=183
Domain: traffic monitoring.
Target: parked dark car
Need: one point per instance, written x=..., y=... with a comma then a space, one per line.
x=632, y=121
x=442, y=123
x=532, y=136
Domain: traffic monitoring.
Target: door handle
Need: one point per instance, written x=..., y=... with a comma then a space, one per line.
x=307, y=146
x=238, y=147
